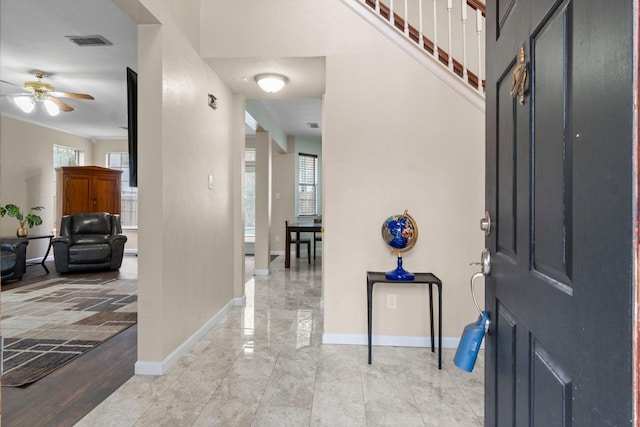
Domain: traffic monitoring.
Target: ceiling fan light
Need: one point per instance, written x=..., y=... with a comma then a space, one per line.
x=51, y=107
x=271, y=82
x=25, y=103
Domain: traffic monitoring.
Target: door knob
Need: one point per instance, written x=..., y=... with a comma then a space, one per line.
x=485, y=223
x=485, y=262
x=485, y=269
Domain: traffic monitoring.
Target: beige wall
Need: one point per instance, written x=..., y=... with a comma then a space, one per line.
x=27, y=180
x=394, y=138
x=421, y=149
x=285, y=180
x=283, y=194
x=186, y=229
x=26, y=172
x=398, y=139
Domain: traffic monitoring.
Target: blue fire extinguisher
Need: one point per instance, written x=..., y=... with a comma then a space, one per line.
x=473, y=333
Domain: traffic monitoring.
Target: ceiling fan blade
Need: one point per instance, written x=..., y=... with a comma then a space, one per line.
x=71, y=95
x=64, y=107
x=12, y=84
x=14, y=95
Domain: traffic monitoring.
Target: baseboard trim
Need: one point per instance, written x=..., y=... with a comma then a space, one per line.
x=143, y=367
x=261, y=272
x=389, y=340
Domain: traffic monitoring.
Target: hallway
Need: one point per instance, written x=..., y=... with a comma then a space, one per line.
x=264, y=365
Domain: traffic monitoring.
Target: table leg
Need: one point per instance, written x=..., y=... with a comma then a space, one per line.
x=431, y=318
x=439, y=326
x=298, y=245
x=46, y=255
x=369, y=315
x=287, y=249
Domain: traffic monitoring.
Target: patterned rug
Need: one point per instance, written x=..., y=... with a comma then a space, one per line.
x=47, y=324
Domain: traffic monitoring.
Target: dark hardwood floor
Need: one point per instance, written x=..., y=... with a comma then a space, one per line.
x=68, y=394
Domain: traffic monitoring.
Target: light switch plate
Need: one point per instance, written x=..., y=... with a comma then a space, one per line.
x=210, y=182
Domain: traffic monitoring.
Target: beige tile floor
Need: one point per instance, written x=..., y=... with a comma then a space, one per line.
x=265, y=365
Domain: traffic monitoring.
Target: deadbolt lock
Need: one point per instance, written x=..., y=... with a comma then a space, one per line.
x=485, y=223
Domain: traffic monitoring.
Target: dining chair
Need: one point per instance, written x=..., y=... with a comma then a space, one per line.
x=295, y=240
x=317, y=237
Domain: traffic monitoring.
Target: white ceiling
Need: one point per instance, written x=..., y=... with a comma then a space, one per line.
x=32, y=37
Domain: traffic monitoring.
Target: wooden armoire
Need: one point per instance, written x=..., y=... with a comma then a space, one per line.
x=87, y=189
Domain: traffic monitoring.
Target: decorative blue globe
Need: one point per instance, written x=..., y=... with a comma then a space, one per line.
x=400, y=232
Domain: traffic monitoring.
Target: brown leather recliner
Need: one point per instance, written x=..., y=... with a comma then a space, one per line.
x=89, y=241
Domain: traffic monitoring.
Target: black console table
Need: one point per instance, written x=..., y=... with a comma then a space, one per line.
x=430, y=279
x=44, y=259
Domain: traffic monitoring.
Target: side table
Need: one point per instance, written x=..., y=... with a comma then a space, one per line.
x=430, y=279
x=44, y=259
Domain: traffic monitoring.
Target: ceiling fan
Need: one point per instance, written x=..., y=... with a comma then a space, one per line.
x=43, y=92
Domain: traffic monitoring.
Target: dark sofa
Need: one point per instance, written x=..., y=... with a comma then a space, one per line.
x=13, y=257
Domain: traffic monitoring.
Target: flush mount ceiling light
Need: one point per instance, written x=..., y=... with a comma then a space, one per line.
x=271, y=82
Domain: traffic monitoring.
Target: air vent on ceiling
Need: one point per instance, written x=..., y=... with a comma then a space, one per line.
x=89, y=40
x=313, y=125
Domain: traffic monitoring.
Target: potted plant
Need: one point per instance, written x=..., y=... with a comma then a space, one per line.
x=29, y=219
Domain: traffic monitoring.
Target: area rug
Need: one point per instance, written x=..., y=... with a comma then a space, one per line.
x=47, y=324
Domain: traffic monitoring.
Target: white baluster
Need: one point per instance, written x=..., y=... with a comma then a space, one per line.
x=449, y=7
x=406, y=19
x=465, y=77
x=391, y=17
x=421, y=38
x=435, y=29
x=479, y=32
x=377, y=6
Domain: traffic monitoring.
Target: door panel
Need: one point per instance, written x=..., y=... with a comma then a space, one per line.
x=552, y=390
x=551, y=151
x=104, y=189
x=505, y=367
x=78, y=194
x=560, y=188
x=507, y=150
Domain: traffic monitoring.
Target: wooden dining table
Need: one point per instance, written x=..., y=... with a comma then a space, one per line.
x=298, y=227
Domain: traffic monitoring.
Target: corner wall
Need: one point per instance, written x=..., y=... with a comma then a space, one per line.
x=186, y=278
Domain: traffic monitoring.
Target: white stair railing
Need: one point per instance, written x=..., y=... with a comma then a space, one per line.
x=464, y=54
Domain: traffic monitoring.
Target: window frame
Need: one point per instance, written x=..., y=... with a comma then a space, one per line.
x=305, y=171
x=125, y=189
x=79, y=161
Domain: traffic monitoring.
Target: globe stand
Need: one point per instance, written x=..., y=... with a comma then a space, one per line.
x=399, y=273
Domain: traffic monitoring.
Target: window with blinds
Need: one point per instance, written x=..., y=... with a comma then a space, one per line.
x=307, y=184
x=129, y=195
x=64, y=156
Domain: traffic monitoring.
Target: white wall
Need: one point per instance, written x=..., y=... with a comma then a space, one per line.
x=261, y=114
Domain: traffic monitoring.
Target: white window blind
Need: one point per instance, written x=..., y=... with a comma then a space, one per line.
x=63, y=156
x=128, y=195
x=307, y=184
